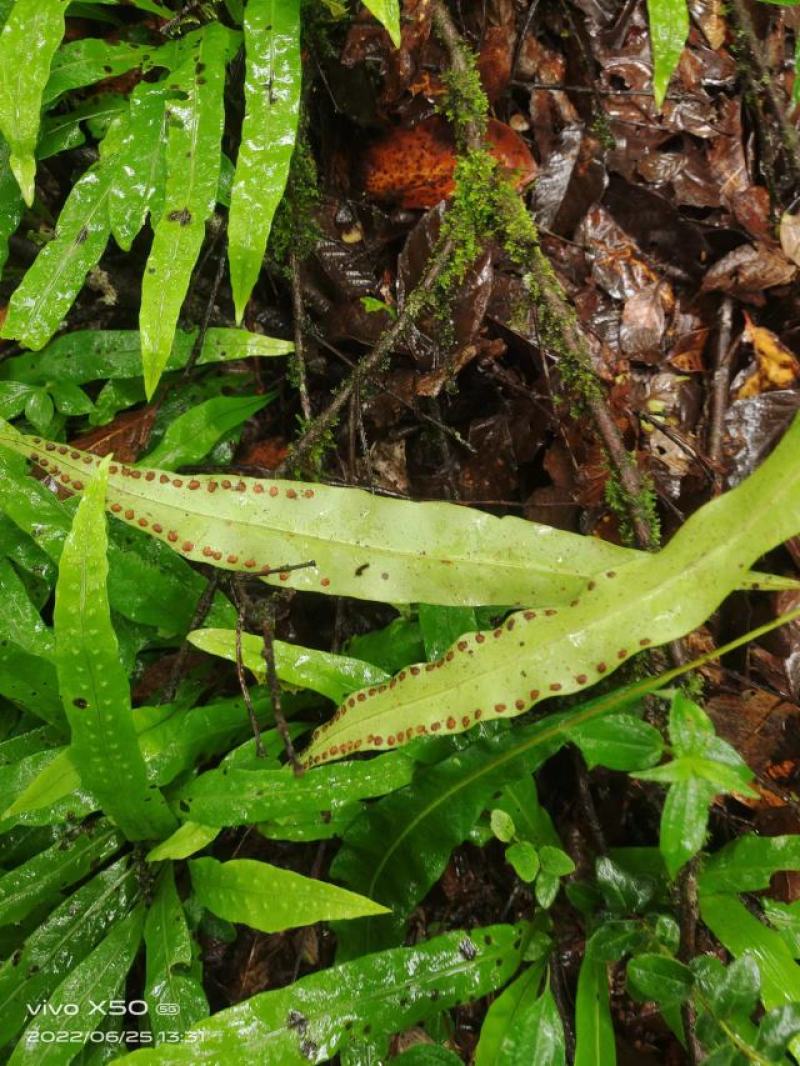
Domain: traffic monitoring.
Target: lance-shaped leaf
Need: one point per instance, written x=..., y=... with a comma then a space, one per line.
x=172, y=975
x=271, y=899
x=93, y=682
x=11, y=202
x=193, y=162
x=98, y=978
x=387, y=12
x=28, y=42
x=50, y=286
x=228, y=796
x=272, y=105
x=539, y=653
x=193, y=434
x=362, y=545
x=140, y=164
x=331, y=675
x=66, y=937
x=314, y=1018
x=669, y=29
x=41, y=878
x=113, y=354
x=522, y=1026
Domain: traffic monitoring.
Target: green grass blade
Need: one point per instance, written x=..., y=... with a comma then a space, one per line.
x=193, y=164
x=272, y=106
x=33, y=30
x=93, y=682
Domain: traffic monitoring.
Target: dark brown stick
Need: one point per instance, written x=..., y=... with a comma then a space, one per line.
x=299, y=314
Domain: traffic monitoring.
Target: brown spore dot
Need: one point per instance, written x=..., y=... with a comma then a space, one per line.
x=450, y=656
x=211, y=486
x=291, y=494
x=241, y=487
x=218, y=556
x=534, y=693
x=274, y=490
x=478, y=714
x=529, y=616
x=232, y=559
x=465, y=721
x=591, y=585
x=77, y=485
x=451, y=722
x=309, y=494
x=163, y=479
x=284, y=576
x=249, y=563
x=622, y=653
x=499, y=707
x=390, y=741
x=258, y=488
x=172, y=536
x=510, y=624
x=479, y=638
x=581, y=679
x=519, y=704
x=462, y=645
x=555, y=686
x=225, y=483
x=149, y=476
x=177, y=482
x=435, y=727
x=187, y=546
x=611, y=573
x=377, y=741
x=193, y=484
x=361, y=696
x=143, y=523
x=601, y=668
x=129, y=514
x=157, y=527
x=414, y=671
x=325, y=582
x=550, y=612
x=644, y=642
x=116, y=508
x=497, y=633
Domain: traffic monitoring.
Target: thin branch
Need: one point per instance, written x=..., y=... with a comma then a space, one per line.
x=299, y=315
x=721, y=384
x=268, y=654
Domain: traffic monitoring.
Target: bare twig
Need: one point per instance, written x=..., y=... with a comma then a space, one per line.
x=720, y=385
x=688, y=906
x=199, y=340
x=242, y=603
x=199, y=616
x=298, y=312
x=268, y=653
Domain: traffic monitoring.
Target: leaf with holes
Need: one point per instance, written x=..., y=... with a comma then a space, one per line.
x=272, y=107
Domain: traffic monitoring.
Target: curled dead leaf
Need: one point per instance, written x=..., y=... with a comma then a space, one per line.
x=790, y=236
x=748, y=269
x=414, y=167
x=776, y=366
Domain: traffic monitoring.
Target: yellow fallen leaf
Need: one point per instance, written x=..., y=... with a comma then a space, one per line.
x=776, y=366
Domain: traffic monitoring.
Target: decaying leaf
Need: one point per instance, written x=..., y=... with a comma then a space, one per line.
x=776, y=366
x=414, y=167
x=749, y=269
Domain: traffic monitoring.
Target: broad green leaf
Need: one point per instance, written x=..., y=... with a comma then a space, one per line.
x=11, y=203
x=195, y=127
x=748, y=863
x=140, y=164
x=522, y=1027
x=63, y=940
x=272, y=106
x=93, y=682
x=660, y=978
x=191, y=437
x=502, y=826
x=312, y=1019
x=334, y=676
x=594, y=1029
x=271, y=899
x=187, y=839
x=785, y=917
x=20, y=621
x=30, y=683
x=62, y=131
x=172, y=976
x=622, y=891
x=387, y=12
x=669, y=29
x=740, y=932
x=95, y=979
x=442, y=626
x=91, y=59
x=684, y=819
x=231, y=796
x=50, y=286
x=427, y=1055
x=33, y=30
x=45, y=875
x=94, y=355
x=620, y=742
x=524, y=860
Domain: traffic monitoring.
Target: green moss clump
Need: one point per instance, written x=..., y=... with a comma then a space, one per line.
x=623, y=505
x=294, y=228
x=465, y=104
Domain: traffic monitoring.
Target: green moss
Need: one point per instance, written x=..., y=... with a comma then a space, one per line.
x=465, y=103
x=623, y=506
x=294, y=228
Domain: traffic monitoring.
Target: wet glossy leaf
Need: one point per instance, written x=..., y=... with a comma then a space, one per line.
x=140, y=166
x=669, y=29
x=748, y=863
x=192, y=160
x=193, y=434
x=91, y=59
x=659, y=978
x=442, y=626
x=230, y=796
x=97, y=978
x=620, y=742
x=94, y=355
x=34, y=30
x=522, y=1027
x=387, y=12
x=172, y=977
x=44, y=876
x=61, y=941
x=50, y=286
x=312, y=1019
x=11, y=203
x=272, y=106
x=334, y=676
x=271, y=899
x=187, y=840
x=524, y=860
x=93, y=682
